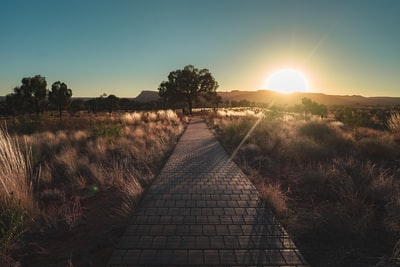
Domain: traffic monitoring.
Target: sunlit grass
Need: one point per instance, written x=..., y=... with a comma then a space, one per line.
x=17, y=206
x=15, y=171
x=394, y=124
x=335, y=188
x=59, y=168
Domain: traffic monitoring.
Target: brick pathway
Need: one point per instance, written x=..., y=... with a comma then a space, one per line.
x=203, y=211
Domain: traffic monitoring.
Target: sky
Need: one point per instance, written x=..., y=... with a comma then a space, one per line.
x=122, y=47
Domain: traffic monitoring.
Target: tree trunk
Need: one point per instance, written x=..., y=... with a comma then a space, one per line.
x=190, y=106
x=37, y=108
x=60, y=110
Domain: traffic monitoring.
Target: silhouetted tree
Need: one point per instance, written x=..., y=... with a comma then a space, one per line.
x=127, y=104
x=112, y=103
x=60, y=96
x=16, y=103
x=34, y=90
x=76, y=106
x=3, y=108
x=186, y=85
x=31, y=95
x=314, y=108
x=216, y=100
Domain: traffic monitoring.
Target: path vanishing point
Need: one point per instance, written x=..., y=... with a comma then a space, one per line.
x=203, y=211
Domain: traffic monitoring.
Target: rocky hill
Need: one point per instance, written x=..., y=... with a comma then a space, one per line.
x=147, y=96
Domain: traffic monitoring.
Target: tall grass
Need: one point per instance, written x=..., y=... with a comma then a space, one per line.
x=16, y=199
x=335, y=188
x=393, y=124
x=118, y=154
x=15, y=171
x=124, y=152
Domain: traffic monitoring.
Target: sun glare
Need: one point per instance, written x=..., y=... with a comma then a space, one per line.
x=287, y=81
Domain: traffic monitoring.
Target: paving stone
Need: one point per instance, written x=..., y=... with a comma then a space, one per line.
x=211, y=257
x=203, y=211
x=244, y=257
x=228, y=257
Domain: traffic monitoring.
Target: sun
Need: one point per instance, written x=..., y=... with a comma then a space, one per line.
x=287, y=81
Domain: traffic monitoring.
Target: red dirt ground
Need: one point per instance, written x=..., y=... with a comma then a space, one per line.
x=91, y=243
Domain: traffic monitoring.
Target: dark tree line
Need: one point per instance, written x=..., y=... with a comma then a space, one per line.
x=32, y=96
x=186, y=88
x=112, y=103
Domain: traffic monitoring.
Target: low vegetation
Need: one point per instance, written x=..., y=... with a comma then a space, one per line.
x=334, y=186
x=76, y=176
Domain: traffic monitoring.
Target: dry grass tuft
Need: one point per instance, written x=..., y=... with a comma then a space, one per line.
x=393, y=122
x=118, y=154
x=274, y=197
x=15, y=172
x=344, y=183
x=17, y=204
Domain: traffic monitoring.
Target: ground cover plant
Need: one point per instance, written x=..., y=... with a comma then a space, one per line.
x=68, y=187
x=335, y=187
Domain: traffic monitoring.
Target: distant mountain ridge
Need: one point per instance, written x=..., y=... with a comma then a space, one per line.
x=274, y=98
x=271, y=97
x=147, y=96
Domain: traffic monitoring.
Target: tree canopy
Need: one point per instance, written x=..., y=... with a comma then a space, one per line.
x=31, y=95
x=187, y=85
x=60, y=96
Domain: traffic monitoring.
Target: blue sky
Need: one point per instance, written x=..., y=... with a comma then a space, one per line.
x=122, y=47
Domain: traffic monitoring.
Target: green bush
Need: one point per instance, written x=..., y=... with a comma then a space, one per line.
x=13, y=223
x=106, y=130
